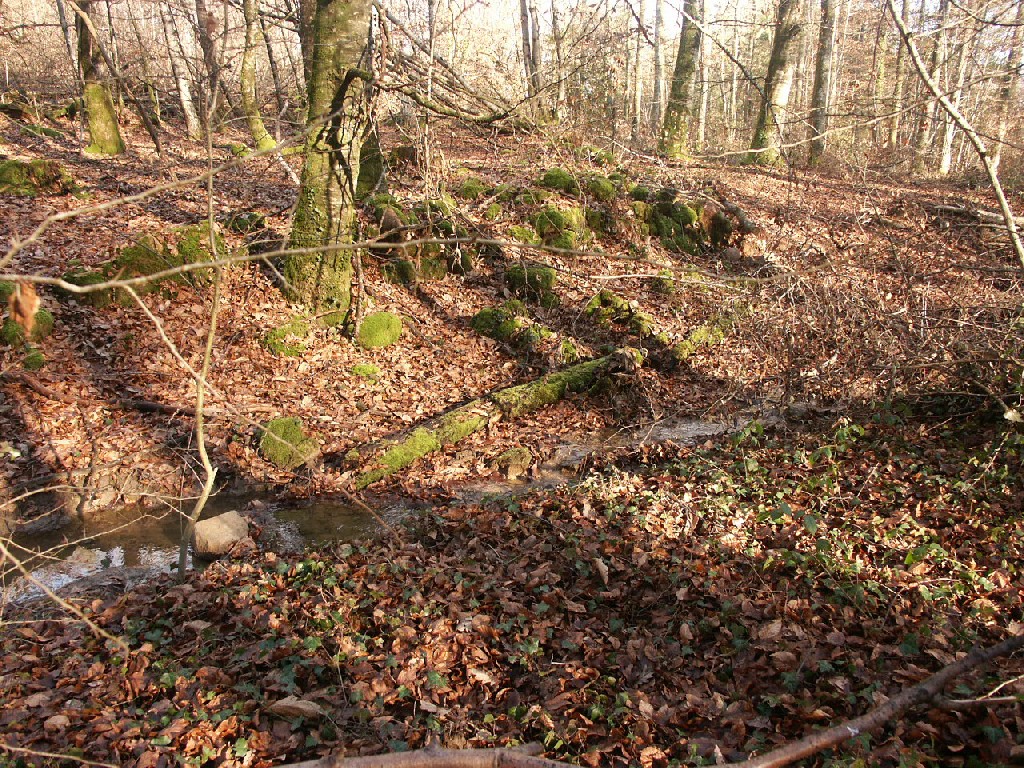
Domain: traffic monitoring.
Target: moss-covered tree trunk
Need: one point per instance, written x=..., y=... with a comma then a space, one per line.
x=766, y=145
x=101, y=117
x=338, y=116
x=822, y=80
x=679, y=108
x=250, y=101
x=383, y=459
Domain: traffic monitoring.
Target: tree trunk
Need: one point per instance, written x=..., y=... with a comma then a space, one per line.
x=338, y=116
x=556, y=38
x=822, y=80
x=65, y=28
x=206, y=27
x=193, y=127
x=924, y=128
x=531, y=51
x=250, y=100
x=658, y=90
x=949, y=125
x=101, y=117
x=275, y=70
x=1009, y=91
x=638, y=81
x=702, y=85
x=679, y=108
x=766, y=145
x=900, y=76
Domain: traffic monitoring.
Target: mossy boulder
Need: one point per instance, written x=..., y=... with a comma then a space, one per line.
x=196, y=244
x=532, y=197
x=379, y=329
x=514, y=463
x=596, y=155
x=601, y=188
x=601, y=221
x=41, y=131
x=6, y=289
x=535, y=283
x=607, y=307
x=493, y=212
x=561, y=180
x=371, y=167
x=640, y=193
x=245, y=222
x=34, y=177
x=288, y=340
x=561, y=227
x=472, y=188
x=400, y=271
x=284, y=443
x=98, y=299
x=524, y=234
x=33, y=360
x=13, y=334
x=502, y=322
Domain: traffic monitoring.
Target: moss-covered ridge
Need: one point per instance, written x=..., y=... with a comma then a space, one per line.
x=34, y=177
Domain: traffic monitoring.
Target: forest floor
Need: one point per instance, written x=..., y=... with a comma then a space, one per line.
x=859, y=528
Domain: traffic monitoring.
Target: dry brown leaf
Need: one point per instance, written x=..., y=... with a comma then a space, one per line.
x=291, y=706
x=24, y=303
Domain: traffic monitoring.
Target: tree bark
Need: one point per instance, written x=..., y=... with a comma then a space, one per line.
x=766, y=145
x=206, y=27
x=822, y=80
x=679, y=107
x=638, y=81
x=101, y=117
x=250, y=100
x=900, y=79
x=193, y=127
x=949, y=125
x=1009, y=91
x=658, y=89
x=338, y=117
x=924, y=128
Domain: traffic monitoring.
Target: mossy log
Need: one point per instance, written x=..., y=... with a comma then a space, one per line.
x=379, y=460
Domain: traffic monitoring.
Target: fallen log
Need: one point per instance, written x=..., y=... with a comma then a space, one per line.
x=378, y=460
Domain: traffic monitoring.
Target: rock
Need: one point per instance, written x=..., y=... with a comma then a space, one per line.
x=217, y=535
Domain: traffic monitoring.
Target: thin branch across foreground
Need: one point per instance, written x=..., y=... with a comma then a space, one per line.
x=819, y=741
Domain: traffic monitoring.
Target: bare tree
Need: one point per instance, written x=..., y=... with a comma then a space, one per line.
x=766, y=145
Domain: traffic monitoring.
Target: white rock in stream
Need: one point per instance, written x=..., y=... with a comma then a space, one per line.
x=217, y=535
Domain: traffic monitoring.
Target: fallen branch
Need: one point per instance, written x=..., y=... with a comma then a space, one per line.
x=382, y=459
x=506, y=758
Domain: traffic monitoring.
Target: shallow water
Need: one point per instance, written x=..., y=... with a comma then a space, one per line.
x=128, y=538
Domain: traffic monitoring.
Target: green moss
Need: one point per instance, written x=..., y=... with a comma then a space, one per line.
x=433, y=268
x=564, y=240
x=602, y=222
x=707, y=335
x=455, y=426
x=421, y=442
x=33, y=360
x=506, y=193
x=549, y=221
x=333, y=319
x=98, y=299
x=524, y=398
x=239, y=150
x=493, y=212
x=531, y=282
x=371, y=167
x=601, y=188
x=532, y=197
x=561, y=180
x=524, y=234
x=245, y=222
x=666, y=195
x=400, y=272
x=472, y=188
x=515, y=462
x=380, y=329
x=497, y=322
x=609, y=307
x=366, y=371
x=288, y=340
x=568, y=352
x=596, y=155
x=640, y=193
x=285, y=444
x=41, y=131
x=664, y=283
x=194, y=247
x=6, y=289
x=34, y=177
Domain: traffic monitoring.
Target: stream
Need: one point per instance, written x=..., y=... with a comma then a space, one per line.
x=142, y=543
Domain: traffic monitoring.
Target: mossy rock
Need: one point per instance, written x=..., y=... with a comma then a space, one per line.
x=98, y=299
x=524, y=234
x=400, y=272
x=533, y=282
x=12, y=334
x=506, y=193
x=664, y=283
x=493, y=212
x=640, y=193
x=566, y=241
x=284, y=444
x=501, y=323
x=561, y=227
x=371, y=167
x=461, y=261
x=332, y=319
x=601, y=188
x=6, y=289
x=34, y=177
x=379, y=329
x=194, y=247
x=533, y=197
x=245, y=222
x=33, y=360
x=602, y=222
x=405, y=153
x=433, y=268
x=472, y=188
x=514, y=463
x=597, y=156
x=608, y=307
x=666, y=195
x=568, y=352
x=288, y=340
x=239, y=150
x=41, y=131
x=366, y=371
x=561, y=180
